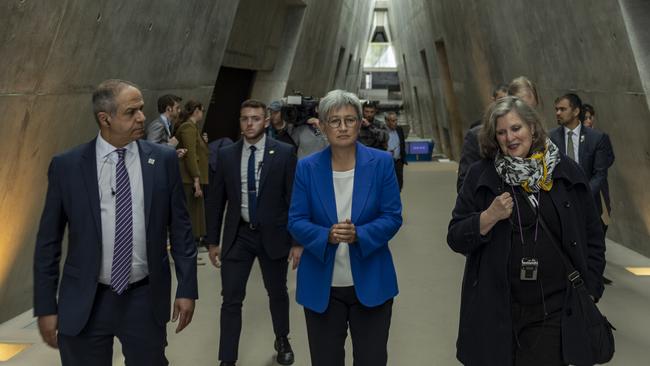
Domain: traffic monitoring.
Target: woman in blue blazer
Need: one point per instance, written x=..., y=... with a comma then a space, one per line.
x=344, y=209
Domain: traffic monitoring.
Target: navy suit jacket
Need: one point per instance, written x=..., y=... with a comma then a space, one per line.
x=73, y=200
x=376, y=214
x=594, y=155
x=273, y=197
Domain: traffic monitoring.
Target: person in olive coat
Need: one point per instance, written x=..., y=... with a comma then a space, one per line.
x=194, y=165
x=509, y=316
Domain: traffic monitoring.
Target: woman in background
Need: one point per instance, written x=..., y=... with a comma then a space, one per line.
x=194, y=165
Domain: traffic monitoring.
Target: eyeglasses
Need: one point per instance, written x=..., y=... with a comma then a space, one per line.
x=336, y=122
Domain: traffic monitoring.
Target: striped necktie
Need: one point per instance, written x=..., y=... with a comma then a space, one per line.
x=123, y=245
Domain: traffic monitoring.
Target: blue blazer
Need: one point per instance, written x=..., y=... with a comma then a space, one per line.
x=376, y=213
x=73, y=201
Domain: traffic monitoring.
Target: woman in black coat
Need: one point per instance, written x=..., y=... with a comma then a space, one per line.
x=515, y=281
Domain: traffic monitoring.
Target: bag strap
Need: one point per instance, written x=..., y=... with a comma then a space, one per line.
x=572, y=274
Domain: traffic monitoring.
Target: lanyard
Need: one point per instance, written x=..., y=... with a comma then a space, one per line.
x=537, y=213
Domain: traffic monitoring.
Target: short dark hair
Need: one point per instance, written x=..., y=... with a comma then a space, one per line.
x=105, y=93
x=369, y=104
x=189, y=108
x=589, y=108
x=252, y=103
x=167, y=100
x=575, y=102
x=503, y=88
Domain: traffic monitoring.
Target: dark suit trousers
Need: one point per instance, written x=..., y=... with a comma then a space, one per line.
x=235, y=270
x=399, y=172
x=368, y=327
x=127, y=317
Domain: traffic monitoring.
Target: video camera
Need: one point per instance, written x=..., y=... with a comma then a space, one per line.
x=298, y=109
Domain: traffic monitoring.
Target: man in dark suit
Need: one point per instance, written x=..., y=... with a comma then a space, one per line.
x=590, y=148
x=255, y=176
x=396, y=146
x=118, y=197
x=586, y=146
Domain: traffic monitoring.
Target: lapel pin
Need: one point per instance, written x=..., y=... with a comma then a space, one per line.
x=271, y=152
x=151, y=161
x=582, y=138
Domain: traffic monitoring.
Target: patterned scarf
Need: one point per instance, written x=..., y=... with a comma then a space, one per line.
x=532, y=173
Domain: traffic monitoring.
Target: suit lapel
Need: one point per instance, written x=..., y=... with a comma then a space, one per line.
x=89, y=173
x=147, y=162
x=560, y=136
x=582, y=141
x=268, y=160
x=325, y=184
x=363, y=174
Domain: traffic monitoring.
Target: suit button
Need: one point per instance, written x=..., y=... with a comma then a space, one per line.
x=574, y=244
x=567, y=204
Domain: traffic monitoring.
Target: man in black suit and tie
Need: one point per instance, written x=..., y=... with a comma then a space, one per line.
x=118, y=196
x=588, y=147
x=255, y=176
x=396, y=146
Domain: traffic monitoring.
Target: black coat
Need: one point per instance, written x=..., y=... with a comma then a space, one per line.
x=273, y=197
x=485, y=332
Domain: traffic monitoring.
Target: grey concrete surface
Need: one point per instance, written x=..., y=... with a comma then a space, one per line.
x=425, y=313
x=597, y=49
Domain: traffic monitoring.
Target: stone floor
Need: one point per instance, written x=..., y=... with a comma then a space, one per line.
x=425, y=317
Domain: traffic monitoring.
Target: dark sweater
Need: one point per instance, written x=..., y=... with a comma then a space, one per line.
x=551, y=274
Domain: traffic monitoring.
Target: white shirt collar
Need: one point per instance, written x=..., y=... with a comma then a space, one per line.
x=103, y=148
x=576, y=130
x=164, y=118
x=259, y=145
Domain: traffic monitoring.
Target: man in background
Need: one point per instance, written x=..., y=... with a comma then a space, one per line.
x=396, y=146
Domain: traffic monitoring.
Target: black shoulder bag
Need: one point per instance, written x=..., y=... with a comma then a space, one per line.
x=587, y=336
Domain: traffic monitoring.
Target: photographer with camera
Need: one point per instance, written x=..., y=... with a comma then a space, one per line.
x=373, y=132
x=304, y=129
x=278, y=128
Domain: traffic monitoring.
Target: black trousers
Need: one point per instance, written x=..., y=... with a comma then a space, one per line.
x=537, y=339
x=399, y=172
x=127, y=317
x=235, y=270
x=368, y=327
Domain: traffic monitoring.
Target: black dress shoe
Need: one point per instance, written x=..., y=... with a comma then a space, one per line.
x=223, y=363
x=285, y=353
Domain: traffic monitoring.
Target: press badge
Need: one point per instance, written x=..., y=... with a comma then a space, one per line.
x=529, y=269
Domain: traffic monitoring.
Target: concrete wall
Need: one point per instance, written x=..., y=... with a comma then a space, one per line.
x=579, y=46
x=55, y=52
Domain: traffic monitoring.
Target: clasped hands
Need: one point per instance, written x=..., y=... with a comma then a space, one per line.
x=343, y=232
